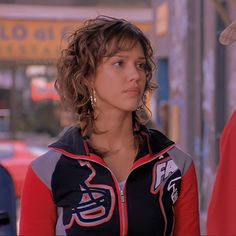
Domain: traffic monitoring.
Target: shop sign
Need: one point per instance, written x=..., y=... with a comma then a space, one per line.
x=33, y=40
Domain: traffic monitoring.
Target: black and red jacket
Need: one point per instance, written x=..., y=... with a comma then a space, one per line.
x=71, y=191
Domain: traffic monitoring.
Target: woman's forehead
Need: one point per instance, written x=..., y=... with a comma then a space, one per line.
x=117, y=45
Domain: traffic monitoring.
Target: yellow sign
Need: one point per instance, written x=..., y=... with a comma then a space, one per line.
x=30, y=40
x=37, y=39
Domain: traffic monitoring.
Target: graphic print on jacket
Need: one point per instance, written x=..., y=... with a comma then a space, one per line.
x=163, y=170
x=85, y=203
x=166, y=181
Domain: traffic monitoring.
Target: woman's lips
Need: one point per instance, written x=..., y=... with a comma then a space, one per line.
x=132, y=91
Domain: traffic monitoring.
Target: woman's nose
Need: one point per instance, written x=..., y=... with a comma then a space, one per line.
x=133, y=73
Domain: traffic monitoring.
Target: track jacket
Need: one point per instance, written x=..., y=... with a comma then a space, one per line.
x=71, y=191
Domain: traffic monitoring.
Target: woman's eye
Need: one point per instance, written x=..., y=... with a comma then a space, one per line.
x=118, y=63
x=141, y=66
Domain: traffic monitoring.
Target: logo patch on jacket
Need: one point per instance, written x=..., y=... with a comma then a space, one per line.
x=95, y=204
x=168, y=173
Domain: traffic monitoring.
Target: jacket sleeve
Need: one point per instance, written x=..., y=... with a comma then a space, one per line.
x=187, y=206
x=38, y=212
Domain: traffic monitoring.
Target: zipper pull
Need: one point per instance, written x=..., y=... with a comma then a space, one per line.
x=122, y=196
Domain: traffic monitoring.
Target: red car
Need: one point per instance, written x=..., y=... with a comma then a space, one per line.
x=15, y=156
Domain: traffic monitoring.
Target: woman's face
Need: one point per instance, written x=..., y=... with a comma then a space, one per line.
x=120, y=80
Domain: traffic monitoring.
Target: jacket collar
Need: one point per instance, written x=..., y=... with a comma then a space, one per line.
x=72, y=142
x=157, y=141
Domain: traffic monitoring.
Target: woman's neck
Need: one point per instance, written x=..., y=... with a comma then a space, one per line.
x=115, y=131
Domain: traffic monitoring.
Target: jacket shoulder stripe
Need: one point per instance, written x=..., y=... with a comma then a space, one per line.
x=44, y=166
x=181, y=159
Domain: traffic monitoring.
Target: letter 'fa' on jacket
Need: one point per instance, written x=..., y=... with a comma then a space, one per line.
x=71, y=191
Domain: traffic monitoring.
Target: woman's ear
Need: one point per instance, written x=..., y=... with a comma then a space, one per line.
x=92, y=79
x=92, y=89
x=92, y=82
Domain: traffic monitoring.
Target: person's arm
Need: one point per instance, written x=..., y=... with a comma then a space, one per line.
x=222, y=207
x=187, y=206
x=38, y=212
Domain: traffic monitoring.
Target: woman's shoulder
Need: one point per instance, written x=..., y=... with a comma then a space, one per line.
x=47, y=158
x=160, y=141
x=181, y=158
x=44, y=165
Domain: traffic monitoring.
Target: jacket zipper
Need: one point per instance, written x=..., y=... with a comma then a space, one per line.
x=123, y=209
x=121, y=195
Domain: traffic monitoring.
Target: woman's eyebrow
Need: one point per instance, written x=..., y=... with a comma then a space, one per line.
x=127, y=56
x=120, y=55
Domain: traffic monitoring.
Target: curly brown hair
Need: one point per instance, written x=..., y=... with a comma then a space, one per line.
x=98, y=38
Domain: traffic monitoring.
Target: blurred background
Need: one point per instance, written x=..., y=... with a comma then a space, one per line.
x=196, y=75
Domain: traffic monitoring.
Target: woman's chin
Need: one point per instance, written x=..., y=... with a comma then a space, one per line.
x=131, y=108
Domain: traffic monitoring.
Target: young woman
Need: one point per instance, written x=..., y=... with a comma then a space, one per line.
x=110, y=175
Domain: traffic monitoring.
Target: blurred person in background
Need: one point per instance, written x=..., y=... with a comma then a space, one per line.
x=109, y=175
x=222, y=207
